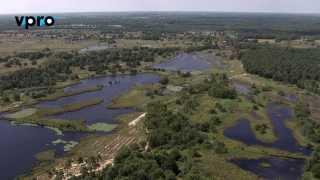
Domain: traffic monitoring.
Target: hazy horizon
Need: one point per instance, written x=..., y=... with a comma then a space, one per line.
x=237, y=6
x=161, y=11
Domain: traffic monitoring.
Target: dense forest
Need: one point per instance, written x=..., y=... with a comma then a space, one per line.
x=311, y=130
x=296, y=66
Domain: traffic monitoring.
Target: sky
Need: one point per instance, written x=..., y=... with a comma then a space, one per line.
x=273, y=6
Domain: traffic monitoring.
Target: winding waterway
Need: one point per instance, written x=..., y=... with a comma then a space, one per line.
x=19, y=144
x=112, y=87
x=278, y=168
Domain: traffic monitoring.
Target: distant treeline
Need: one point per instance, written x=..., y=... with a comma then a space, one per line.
x=296, y=66
x=153, y=24
x=280, y=26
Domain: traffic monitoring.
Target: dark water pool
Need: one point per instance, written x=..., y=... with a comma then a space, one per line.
x=273, y=168
x=286, y=169
x=185, y=62
x=278, y=114
x=292, y=97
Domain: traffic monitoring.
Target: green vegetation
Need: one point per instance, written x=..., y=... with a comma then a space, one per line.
x=37, y=117
x=167, y=129
x=172, y=138
x=60, y=69
x=309, y=127
x=265, y=165
x=158, y=25
x=313, y=166
x=82, y=104
x=68, y=107
x=178, y=145
x=63, y=125
x=22, y=114
x=131, y=163
x=187, y=124
x=181, y=136
x=46, y=155
x=138, y=97
x=62, y=93
x=103, y=127
x=68, y=145
x=295, y=66
x=220, y=87
x=311, y=130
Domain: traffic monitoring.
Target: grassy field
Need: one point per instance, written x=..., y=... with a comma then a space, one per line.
x=22, y=114
x=314, y=103
x=103, y=127
x=63, y=125
x=68, y=107
x=5, y=70
x=21, y=45
x=39, y=117
x=61, y=93
x=216, y=167
x=46, y=155
x=130, y=43
x=31, y=116
x=135, y=98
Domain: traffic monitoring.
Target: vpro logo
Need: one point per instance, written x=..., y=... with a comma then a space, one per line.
x=29, y=21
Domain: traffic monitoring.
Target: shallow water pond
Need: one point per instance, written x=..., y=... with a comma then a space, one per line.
x=186, y=63
x=284, y=168
x=278, y=114
x=273, y=168
x=112, y=87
